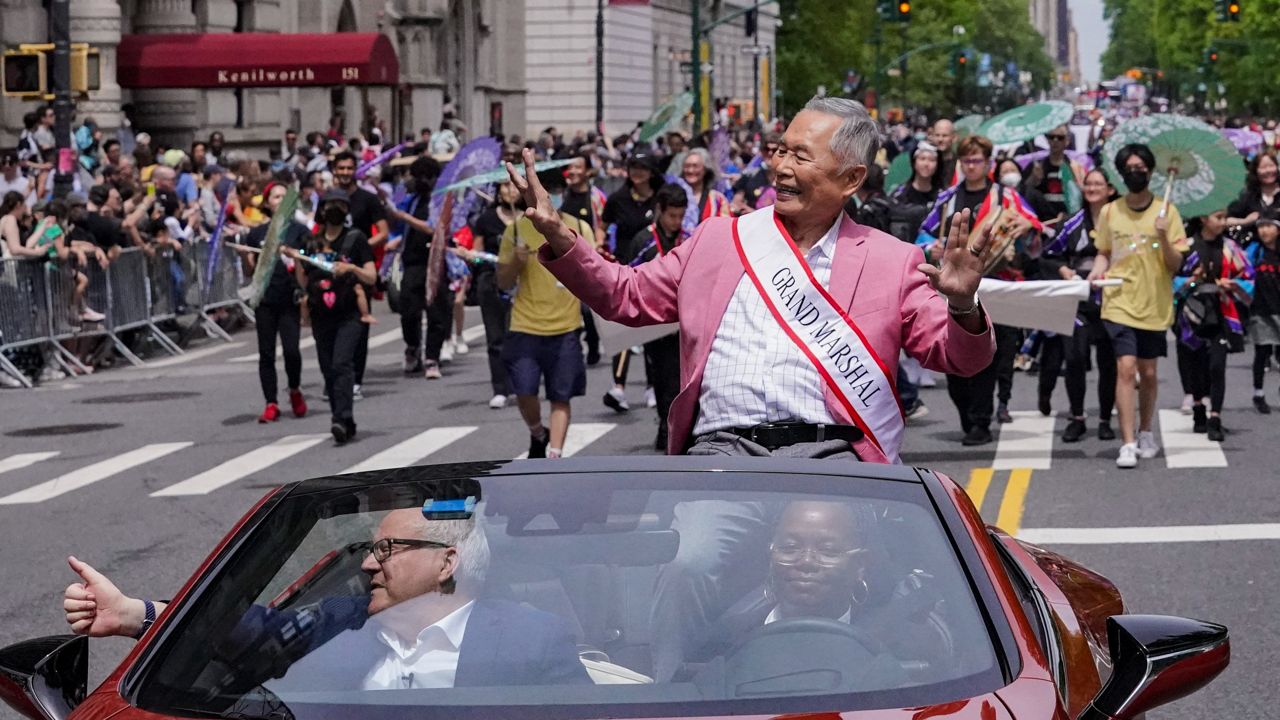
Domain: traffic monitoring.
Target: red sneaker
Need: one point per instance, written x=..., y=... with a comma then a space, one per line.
x=270, y=414
x=298, y=403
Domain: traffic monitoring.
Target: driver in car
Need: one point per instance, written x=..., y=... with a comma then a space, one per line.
x=421, y=626
x=825, y=563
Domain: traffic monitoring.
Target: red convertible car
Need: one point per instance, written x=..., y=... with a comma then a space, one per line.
x=630, y=588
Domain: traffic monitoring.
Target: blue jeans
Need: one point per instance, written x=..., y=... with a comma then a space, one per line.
x=908, y=392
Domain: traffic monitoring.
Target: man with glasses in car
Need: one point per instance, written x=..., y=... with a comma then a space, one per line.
x=422, y=625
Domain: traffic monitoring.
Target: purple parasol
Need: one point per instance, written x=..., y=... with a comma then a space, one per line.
x=1083, y=158
x=478, y=156
x=1245, y=140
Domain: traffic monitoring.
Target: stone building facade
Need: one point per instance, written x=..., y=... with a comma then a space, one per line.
x=470, y=51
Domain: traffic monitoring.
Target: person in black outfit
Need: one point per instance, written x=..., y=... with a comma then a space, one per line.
x=413, y=286
x=1261, y=193
x=495, y=308
x=1070, y=257
x=278, y=314
x=870, y=206
x=1264, y=311
x=662, y=355
x=366, y=214
x=331, y=304
x=910, y=203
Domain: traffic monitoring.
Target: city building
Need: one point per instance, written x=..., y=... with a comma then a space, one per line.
x=1053, y=20
x=467, y=53
x=648, y=49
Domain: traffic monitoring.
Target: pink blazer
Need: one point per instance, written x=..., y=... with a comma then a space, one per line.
x=873, y=277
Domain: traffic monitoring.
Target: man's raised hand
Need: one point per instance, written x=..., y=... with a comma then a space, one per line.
x=962, y=263
x=95, y=607
x=538, y=208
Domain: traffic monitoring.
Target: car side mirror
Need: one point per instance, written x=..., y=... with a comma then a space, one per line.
x=1157, y=659
x=45, y=678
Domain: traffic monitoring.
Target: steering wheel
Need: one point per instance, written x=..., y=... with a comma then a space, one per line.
x=798, y=656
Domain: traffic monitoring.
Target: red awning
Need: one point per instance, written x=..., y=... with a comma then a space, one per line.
x=231, y=60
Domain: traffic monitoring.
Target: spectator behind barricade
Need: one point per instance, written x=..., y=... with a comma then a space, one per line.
x=214, y=151
x=13, y=225
x=243, y=211
x=185, y=183
x=111, y=152
x=28, y=146
x=210, y=201
x=12, y=179
x=87, y=137
x=289, y=152
x=101, y=224
x=51, y=238
x=44, y=130
x=199, y=155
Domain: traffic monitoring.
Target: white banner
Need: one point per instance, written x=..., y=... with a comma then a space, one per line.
x=1034, y=304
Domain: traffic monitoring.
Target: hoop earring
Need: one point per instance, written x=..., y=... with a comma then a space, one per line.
x=866, y=592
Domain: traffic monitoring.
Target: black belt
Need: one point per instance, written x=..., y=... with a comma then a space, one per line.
x=776, y=435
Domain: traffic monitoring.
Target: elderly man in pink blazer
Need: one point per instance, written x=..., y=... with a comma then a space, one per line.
x=791, y=320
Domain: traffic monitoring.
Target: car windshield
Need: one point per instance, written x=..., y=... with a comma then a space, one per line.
x=584, y=594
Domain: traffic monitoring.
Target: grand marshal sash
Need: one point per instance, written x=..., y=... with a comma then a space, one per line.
x=821, y=329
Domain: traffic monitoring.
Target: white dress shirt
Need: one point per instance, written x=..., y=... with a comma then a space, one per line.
x=431, y=661
x=755, y=373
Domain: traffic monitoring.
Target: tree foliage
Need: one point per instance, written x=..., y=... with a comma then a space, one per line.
x=1172, y=36
x=820, y=40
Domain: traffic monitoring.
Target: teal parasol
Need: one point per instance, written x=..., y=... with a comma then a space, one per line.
x=1209, y=173
x=1026, y=122
x=666, y=117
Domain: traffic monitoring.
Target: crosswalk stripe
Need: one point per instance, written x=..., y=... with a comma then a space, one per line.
x=21, y=460
x=193, y=355
x=239, y=467
x=979, y=481
x=580, y=436
x=1184, y=448
x=414, y=449
x=90, y=474
x=1015, y=500
x=1027, y=442
x=473, y=334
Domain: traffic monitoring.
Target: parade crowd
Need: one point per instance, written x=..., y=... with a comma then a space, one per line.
x=364, y=231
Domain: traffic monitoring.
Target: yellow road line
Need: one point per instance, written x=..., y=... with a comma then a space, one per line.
x=979, y=481
x=1015, y=498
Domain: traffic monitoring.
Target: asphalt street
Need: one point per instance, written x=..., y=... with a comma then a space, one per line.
x=140, y=471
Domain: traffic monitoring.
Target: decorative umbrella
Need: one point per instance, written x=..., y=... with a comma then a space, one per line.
x=1246, y=141
x=1083, y=158
x=968, y=125
x=1209, y=172
x=667, y=116
x=271, y=245
x=474, y=158
x=1026, y=122
x=497, y=175
x=899, y=172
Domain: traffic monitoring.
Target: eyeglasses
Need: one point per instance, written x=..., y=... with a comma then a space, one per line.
x=1059, y=138
x=383, y=548
x=970, y=162
x=792, y=553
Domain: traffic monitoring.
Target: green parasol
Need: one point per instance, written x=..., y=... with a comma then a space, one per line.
x=1026, y=122
x=1209, y=172
x=968, y=125
x=667, y=116
x=899, y=172
x=498, y=175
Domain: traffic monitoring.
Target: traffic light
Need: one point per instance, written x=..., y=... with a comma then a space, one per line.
x=27, y=70
x=751, y=22
x=1211, y=55
x=25, y=74
x=904, y=11
x=1233, y=10
x=959, y=62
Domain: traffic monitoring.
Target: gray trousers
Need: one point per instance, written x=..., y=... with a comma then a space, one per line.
x=722, y=544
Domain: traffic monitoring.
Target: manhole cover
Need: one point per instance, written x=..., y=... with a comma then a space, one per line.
x=73, y=429
x=456, y=405
x=139, y=397
x=239, y=420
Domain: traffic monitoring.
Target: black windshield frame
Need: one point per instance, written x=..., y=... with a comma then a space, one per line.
x=801, y=477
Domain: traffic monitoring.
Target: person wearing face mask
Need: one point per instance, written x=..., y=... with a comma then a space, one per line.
x=973, y=396
x=1071, y=256
x=413, y=288
x=1140, y=241
x=332, y=303
x=542, y=342
x=1264, y=312
x=1218, y=275
x=278, y=313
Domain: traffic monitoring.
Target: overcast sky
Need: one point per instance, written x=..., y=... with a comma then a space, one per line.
x=1091, y=34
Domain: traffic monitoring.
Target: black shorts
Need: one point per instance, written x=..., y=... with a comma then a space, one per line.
x=555, y=358
x=1145, y=344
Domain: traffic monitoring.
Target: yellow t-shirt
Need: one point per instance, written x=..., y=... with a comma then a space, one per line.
x=1145, y=299
x=542, y=306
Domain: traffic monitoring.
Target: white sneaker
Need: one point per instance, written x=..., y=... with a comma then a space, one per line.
x=497, y=402
x=1187, y=402
x=9, y=381
x=1147, y=447
x=50, y=373
x=1128, y=457
x=616, y=399
x=446, y=352
x=460, y=346
x=650, y=399
x=357, y=392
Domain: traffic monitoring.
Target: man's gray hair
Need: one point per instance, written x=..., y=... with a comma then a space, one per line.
x=468, y=537
x=857, y=140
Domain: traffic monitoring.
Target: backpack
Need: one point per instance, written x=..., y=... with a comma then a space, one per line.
x=1202, y=310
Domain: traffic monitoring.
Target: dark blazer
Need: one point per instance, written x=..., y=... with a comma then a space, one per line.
x=505, y=644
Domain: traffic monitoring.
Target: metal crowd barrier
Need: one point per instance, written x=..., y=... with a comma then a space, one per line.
x=24, y=318
x=217, y=290
x=129, y=281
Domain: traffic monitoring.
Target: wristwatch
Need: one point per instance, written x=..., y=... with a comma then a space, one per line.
x=149, y=617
